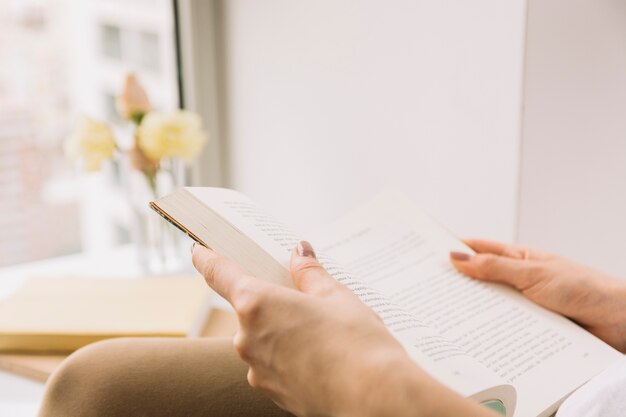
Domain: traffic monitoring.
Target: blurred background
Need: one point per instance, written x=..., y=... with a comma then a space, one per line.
x=502, y=119
x=60, y=59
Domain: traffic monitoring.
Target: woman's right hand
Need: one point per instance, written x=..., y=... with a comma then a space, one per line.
x=593, y=299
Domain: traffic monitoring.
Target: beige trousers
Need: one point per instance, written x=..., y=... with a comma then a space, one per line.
x=155, y=377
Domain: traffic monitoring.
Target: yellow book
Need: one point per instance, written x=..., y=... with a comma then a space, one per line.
x=62, y=315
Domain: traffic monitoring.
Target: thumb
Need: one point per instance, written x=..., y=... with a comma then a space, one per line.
x=518, y=273
x=307, y=273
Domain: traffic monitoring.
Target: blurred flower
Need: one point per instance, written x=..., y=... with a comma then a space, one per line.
x=91, y=143
x=139, y=161
x=133, y=102
x=177, y=134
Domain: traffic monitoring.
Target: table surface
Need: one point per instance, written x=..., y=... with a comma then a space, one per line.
x=20, y=397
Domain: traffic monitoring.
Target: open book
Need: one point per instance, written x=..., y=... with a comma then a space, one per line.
x=485, y=341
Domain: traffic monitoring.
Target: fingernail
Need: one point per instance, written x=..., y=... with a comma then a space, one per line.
x=304, y=248
x=460, y=256
x=193, y=245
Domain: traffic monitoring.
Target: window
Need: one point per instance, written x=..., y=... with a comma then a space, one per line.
x=58, y=59
x=110, y=107
x=34, y=108
x=149, y=51
x=111, y=41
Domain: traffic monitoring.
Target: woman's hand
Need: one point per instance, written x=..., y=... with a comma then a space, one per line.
x=318, y=350
x=591, y=298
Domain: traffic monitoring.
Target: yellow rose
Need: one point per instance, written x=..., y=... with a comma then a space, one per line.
x=177, y=135
x=91, y=143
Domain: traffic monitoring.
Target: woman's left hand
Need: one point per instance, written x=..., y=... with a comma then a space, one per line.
x=318, y=350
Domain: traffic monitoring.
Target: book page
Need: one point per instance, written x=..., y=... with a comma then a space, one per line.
x=432, y=351
x=274, y=237
x=404, y=255
x=427, y=346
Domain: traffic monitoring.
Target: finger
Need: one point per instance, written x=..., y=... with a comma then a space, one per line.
x=518, y=273
x=222, y=274
x=266, y=382
x=497, y=248
x=504, y=249
x=242, y=347
x=307, y=273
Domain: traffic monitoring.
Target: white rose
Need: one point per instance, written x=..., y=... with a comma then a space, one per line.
x=91, y=143
x=177, y=134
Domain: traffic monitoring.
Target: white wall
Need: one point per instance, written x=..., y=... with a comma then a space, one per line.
x=573, y=194
x=330, y=101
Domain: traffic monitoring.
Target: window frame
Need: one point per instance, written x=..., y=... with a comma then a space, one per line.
x=201, y=87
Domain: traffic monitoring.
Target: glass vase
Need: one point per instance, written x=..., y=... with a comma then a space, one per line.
x=158, y=244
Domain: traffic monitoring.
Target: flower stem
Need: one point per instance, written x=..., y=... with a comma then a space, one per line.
x=151, y=178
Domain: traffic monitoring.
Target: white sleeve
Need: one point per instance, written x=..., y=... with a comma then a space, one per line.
x=602, y=396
